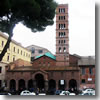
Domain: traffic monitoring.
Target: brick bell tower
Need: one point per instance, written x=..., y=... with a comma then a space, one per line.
x=62, y=39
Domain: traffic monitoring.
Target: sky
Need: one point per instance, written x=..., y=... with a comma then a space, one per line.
x=81, y=30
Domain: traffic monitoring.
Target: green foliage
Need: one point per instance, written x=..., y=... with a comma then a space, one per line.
x=34, y=14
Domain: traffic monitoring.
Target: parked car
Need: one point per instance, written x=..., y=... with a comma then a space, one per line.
x=89, y=91
x=41, y=94
x=5, y=93
x=26, y=92
x=65, y=93
x=72, y=94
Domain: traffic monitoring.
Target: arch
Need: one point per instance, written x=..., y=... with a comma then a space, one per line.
x=39, y=81
x=30, y=84
x=52, y=83
x=21, y=84
x=72, y=85
x=61, y=84
x=52, y=86
x=12, y=85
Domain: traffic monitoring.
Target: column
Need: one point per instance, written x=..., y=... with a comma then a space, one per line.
x=46, y=85
x=26, y=84
x=16, y=85
x=56, y=85
x=34, y=84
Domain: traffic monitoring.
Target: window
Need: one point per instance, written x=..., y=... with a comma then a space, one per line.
x=83, y=71
x=64, y=33
x=62, y=26
x=13, y=58
x=18, y=51
x=0, y=69
x=2, y=43
x=83, y=81
x=64, y=41
x=91, y=71
x=32, y=58
x=33, y=51
x=40, y=51
x=59, y=41
x=14, y=49
x=8, y=58
x=61, y=10
x=21, y=52
x=59, y=49
x=64, y=49
x=59, y=17
x=64, y=17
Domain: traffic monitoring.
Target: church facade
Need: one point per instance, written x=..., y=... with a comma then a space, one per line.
x=48, y=71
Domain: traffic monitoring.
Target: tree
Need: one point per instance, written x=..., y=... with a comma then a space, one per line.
x=34, y=14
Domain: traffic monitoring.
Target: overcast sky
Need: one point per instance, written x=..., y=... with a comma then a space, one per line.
x=81, y=30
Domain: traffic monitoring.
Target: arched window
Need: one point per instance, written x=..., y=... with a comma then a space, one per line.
x=59, y=17
x=59, y=26
x=64, y=41
x=59, y=34
x=64, y=49
x=59, y=49
x=64, y=33
x=64, y=26
x=59, y=41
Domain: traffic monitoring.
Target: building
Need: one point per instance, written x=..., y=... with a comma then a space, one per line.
x=2, y=74
x=49, y=72
x=53, y=72
x=62, y=37
x=87, y=72
x=36, y=51
x=15, y=51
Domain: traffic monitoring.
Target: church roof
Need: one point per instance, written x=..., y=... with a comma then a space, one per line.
x=48, y=54
x=45, y=68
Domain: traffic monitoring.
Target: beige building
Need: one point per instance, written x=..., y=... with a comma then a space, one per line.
x=15, y=51
x=2, y=74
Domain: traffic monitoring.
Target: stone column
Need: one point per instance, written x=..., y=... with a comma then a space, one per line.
x=46, y=85
x=16, y=85
x=34, y=84
x=8, y=86
x=78, y=84
x=56, y=85
x=26, y=84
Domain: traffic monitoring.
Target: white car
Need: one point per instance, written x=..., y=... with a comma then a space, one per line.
x=26, y=92
x=41, y=94
x=65, y=93
x=89, y=91
x=72, y=94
